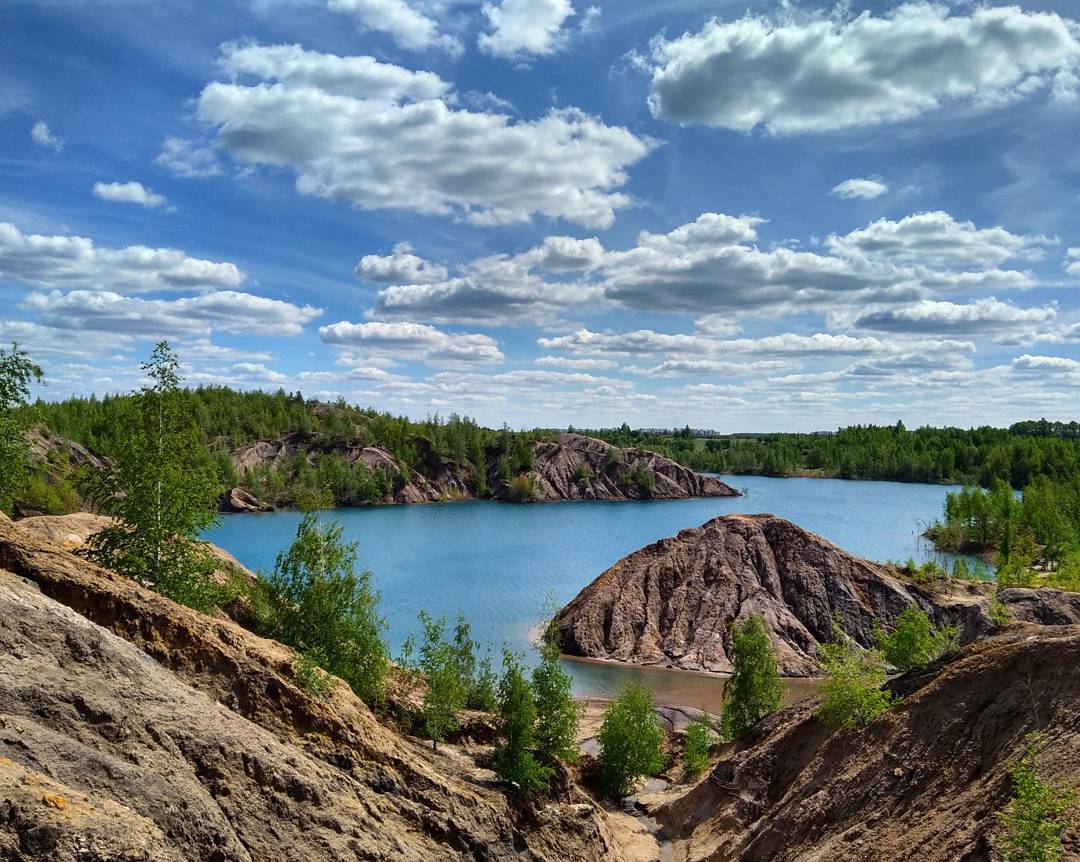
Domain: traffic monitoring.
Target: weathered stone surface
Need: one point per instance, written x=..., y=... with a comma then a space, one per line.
x=673, y=602
x=575, y=467
x=923, y=781
x=188, y=732
x=237, y=500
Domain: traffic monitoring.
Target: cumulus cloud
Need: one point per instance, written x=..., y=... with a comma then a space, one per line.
x=223, y=310
x=188, y=159
x=937, y=239
x=417, y=153
x=43, y=137
x=523, y=28
x=860, y=188
x=129, y=193
x=75, y=262
x=413, y=341
x=987, y=316
x=564, y=254
x=406, y=25
x=401, y=266
x=1072, y=261
x=822, y=74
x=580, y=364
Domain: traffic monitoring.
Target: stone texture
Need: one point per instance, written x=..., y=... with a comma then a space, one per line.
x=672, y=603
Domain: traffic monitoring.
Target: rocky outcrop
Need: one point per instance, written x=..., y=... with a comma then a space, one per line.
x=672, y=603
x=923, y=781
x=133, y=728
x=575, y=467
x=49, y=449
x=239, y=501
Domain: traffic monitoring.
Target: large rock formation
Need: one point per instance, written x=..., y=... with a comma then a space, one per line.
x=672, y=603
x=922, y=781
x=132, y=728
x=575, y=467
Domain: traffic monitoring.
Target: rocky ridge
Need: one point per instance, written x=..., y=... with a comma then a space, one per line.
x=132, y=728
x=672, y=603
x=924, y=779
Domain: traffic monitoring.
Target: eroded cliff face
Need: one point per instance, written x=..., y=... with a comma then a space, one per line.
x=923, y=781
x=132, y=728
x=672, y=603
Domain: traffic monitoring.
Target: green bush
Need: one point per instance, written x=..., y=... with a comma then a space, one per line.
x=49, y=495
x=582, y=473
x=755, y=688
x=630, y=738
x=851, y=694
x=514, y=757
x=447, y=689
x=317, y=603
x=557, y=713
x=521, y=489
x=17, y=372
x=914, y=642
x=696, y=749
x=1031, y=824
x=310, y=677
x=998, y=612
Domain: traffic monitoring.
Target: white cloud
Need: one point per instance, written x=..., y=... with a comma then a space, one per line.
x=188, y=159
x=822, y=74
x=576, y=364
x=935, y=239
x=407, y=26
x=223, y=310
x=860, y=188
x=75, y=262
x=43, y=137
x=564, y=254
x=421, y=155
x=401, y=266
x=1072, y=261
x=979, y=317
x=523, y=28
x=413, y=341
x=129, y=193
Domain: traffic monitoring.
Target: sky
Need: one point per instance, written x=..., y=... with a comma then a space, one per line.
x=741, y=216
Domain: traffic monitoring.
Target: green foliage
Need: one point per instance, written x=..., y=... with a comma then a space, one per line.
x=1031, y=824
x=310, y=677
x=446, y=691
x=926, y=573
x=998, y=612
x=643, y=478
x=476, y=677
x=914, y=642
x=558, y=714
x=321, y=606
x=630, y=738
x=17, y=372
x=1066, y=576
x=483, y=692
x=851, y=694
x=514, y=757
x=48, y=494
x=162, y=488
x=755, y=688
x=521, y=489
x=582, y=473
x=696, y=749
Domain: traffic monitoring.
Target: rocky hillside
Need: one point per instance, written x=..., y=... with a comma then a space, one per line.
x=923, y=781
x=672, y=603
x=564, y=467
x=132, y=728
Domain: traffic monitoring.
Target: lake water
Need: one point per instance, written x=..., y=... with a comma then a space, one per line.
x=499, y=562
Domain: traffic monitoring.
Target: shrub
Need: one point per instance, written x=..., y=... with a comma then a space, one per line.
x=17, y=372
x=1032, y=822
x=998, y=612
x=755, y=688
x=630, y=740
x=320, y=605
x=914, y=642
x=582, y=473
x=521, y=489
x=851, y=694
x=446, y=689
x=557, y=712
x=514, y=758
x=696, y=749
x=310, y=677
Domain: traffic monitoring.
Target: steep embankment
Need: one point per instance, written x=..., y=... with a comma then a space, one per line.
x=565, y=467
x=134, y=728
x=923, y=780
x=673, y=602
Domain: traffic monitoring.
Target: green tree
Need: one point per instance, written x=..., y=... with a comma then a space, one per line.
x=1033, y=820
x=696, y=748
x=755, y=688
x=326, y=610
x=17, y=372
x=914, y=642
x=851, y=694
x=631, y=739
x=557, y=712
x=162, y=488
x=446, y=691
x=514, y=757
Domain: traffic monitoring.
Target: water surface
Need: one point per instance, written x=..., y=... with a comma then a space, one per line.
x=498, y=562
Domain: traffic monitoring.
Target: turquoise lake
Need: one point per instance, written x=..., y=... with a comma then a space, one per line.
x=498, y=562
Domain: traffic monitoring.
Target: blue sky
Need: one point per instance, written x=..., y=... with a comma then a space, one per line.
x=741, y=216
